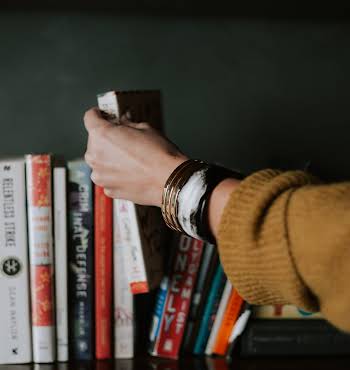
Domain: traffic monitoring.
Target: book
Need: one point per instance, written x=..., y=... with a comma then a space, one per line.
x=140, y=227
x=123, y=299
x=81, y=263
x=291, y=337
x=281, y=311
x=239, y=328
x=229, y=319
x=39, y=207
x=158, y=313
x=103, y=273
x=15, y=333
x=205, y=276
x=182, y=279
x=61, y=259
x=141, y=232
x=219, y=316
x=216, y=290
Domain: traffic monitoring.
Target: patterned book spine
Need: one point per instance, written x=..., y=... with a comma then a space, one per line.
x=123, y=298
x=182, y=280
x=210, y=310
x=157, y=314
x=233, y=309
x=80, y=257
x=218, y=318
x=103, y=273
x=15, y=332
x=130, y=237
x=41, y=256
x=61, y=261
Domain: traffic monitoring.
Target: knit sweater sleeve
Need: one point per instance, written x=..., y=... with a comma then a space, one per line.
x=284, y=238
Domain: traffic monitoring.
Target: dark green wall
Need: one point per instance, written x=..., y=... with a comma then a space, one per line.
x=247, y=93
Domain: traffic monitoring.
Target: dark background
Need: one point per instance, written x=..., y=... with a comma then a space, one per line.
x=246, y=91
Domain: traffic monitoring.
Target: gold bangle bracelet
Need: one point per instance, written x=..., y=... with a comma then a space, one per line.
x=165, y=195
x=171, y=190
x=178, y=183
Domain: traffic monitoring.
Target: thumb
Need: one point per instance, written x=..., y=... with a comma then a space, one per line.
x=93, y=119
x=138, y=125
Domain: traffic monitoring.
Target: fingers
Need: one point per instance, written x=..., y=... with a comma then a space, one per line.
x=93, y=119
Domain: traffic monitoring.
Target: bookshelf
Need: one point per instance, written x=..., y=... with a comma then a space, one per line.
x=289, y=79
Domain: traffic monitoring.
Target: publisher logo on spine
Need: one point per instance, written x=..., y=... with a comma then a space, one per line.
x=11, y=266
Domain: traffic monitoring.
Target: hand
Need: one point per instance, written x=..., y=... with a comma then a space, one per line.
x=130, y=161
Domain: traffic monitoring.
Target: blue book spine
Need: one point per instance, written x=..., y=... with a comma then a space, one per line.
x=210, y=310
x=80, y=261
x=158, y=312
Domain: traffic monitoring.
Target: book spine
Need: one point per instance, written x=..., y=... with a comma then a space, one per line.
x=293, y=338
x=41, y=256
x=80, y=256
x=210, y=310
x=157, y=314
x=283, y=311
x=130, y=237
x=61, y=261
x=123, y=298
x=239, y=327
x=218, y=318
x=197, y=297
x=233, y=309
x=15, y=333
x=183, y=277
x=103, y=273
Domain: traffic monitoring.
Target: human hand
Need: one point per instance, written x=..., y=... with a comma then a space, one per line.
x=131, y=160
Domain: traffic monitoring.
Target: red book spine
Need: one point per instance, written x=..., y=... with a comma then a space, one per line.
x=183, y=277
x=103, y=274
x=41, y=256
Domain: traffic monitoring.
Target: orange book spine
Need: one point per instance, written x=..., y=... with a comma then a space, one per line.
x=230, y=317
x=103, y=274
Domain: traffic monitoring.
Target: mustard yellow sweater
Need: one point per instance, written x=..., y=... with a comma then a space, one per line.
x=285, y=238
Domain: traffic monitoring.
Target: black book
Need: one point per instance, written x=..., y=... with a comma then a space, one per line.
x=293, y=337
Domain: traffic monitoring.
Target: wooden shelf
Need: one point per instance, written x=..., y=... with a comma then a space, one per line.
x=197, y=363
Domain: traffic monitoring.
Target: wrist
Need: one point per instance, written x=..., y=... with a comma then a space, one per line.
x=186, y=196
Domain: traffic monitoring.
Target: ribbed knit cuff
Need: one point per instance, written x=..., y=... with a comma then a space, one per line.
x=253, y=240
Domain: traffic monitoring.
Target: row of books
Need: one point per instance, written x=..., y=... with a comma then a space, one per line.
x=197, y=309
x=62, y=293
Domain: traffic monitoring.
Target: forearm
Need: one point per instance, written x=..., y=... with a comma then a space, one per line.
x=217, y=202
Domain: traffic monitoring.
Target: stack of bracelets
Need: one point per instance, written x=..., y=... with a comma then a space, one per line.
x=186, y=197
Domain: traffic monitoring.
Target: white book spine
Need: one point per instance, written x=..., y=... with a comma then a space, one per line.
x=123, y=298
x=218, y=318
x=41, y=257
x=61, y=275
x=15, y=327
x=130, y=237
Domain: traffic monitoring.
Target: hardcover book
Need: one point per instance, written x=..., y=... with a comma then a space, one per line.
x=182, y=279
x=213, y=301
x=15, y=333
x=39, y=206
x=61, y=260
x=225, y=297
x=141, y=228
x=123, y=299
x=205, y=275
x=293, y=338
x=283, y=311
x=80, y=257
x=103, y=273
